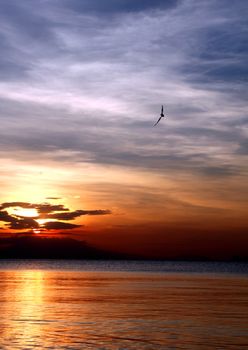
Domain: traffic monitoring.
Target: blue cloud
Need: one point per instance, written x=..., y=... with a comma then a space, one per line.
x=117, y=6
x=83, y=81
x=219, y=50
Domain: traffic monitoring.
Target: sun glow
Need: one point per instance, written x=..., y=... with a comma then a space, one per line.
x=36, y=231
x=25, y=212
x=43, y=221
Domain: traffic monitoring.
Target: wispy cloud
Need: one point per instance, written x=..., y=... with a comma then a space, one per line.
x=99, y=81
x=82, y=83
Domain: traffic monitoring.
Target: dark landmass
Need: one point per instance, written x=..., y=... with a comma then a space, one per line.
x=30, y=247
x=51, y=248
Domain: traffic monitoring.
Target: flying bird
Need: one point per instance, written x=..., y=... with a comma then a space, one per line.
x=161, y=115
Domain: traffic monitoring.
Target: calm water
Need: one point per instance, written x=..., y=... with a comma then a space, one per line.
x=123, y=305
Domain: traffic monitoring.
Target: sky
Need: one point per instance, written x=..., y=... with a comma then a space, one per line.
x=81, y=86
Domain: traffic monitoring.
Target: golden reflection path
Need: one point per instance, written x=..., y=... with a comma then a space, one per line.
x=24, y=294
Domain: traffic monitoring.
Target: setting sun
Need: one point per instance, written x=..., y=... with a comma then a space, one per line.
x=36, y=231
x=25, y=212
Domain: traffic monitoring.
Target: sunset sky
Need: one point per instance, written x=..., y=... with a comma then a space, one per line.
x=81, y=85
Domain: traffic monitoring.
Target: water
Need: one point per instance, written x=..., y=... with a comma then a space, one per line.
x=123, y=305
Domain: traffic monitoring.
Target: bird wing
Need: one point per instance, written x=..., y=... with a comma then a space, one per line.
x=157, y=121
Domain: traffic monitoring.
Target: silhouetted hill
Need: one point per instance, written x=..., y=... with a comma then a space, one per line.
x=51, y=248
x=33, y=247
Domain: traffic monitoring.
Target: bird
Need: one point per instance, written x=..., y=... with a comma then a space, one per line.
x=161, y=115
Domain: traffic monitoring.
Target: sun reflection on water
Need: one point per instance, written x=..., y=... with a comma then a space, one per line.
x=27, y=295
x=31, y=292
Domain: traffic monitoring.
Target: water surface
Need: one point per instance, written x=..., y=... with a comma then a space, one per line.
x=63, y=305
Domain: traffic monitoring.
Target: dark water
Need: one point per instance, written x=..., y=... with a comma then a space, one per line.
x=123, y=305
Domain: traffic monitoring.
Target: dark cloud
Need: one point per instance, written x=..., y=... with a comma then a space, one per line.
x=150, y=150
x=219, y=171
x=24, y=205
x=59, y=225
x=11, y=66
x=243, y=148
x=20, y=16
x=4, y=216
x=22, y=28
x=118, y=6
x=96, y=212
x=241, y=122
x=24, y=223
x=54, y=198
x=46, y=211
x=49, y=208
x=18, y=223
x=42, y=208
x=209, y=134
x=46, y=208
x=74, y=214
x=221, y=52
x=9, y=69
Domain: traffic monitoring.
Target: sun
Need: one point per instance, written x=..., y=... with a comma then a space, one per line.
x=36, y=231
x=26, y=212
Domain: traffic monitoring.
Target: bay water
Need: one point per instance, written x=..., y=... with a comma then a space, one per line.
x=56, y=304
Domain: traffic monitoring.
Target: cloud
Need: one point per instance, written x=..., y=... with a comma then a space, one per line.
x=243, y=148
x=186, y=104
x=59, y=225
x=120, y=6
x=16, y=204
x=4, y=216
x=74, y=214
x=17, y=223
x=24, y=223
x=49, y=208
x=41, y=208
x=53, y=198
x=46, y=211
x=87, y=78
x=19, y=27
